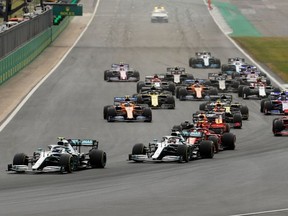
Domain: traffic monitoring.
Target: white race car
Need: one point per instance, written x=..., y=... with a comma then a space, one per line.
x=64, y=157
x=204, y=60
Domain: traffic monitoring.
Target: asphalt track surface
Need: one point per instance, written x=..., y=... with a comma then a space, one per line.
x=253, y=178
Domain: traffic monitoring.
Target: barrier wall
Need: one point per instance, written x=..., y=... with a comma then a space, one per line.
x=17, y=60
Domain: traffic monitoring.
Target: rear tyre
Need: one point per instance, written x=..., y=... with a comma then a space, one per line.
x=111, y=113
x=237, y=118
x=147, y=112
x=140, y=85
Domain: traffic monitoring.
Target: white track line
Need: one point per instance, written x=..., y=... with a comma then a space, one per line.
x=262, y=212
x=241, y=50
x=16, y=110
x=262, y=69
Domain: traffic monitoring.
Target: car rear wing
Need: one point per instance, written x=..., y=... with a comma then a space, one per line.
x=235, y=59
x=123, y=99
x=117, y=66
x=175, y=70
x=202, y=53
x=216, y=76
x=149, y=77
x=83, y=142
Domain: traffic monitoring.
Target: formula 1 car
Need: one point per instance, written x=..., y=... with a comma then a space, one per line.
x=121, y=73
x=195, y=135
x=177, y=75
x=223, y=83
x=204, y=60
x=280, y=126
x=195, y=90
x=169, y=149
x=156, y=99
x=156, y=82
x=64, y=157
x=276, y=105
x=234, y=65
x=226, y=101
x=127, y=109
x=159, y=15
x=258, y=90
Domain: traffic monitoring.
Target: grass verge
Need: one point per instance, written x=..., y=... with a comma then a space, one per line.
x=271, y=51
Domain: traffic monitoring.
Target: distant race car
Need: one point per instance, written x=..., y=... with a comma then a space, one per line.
x=177, y=75
x=157, y=82
x=170, y=148
x=156, y=98
x=127, y=109
x=64, y=157
x=276, y=104
x=234, y=65
x=121, y=73
x=204, y=60
x=195, y=90
x=159, y=15
x=280, y=126
x=223, y=82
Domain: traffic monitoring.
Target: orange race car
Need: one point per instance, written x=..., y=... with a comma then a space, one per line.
x=195, y=90
x=126, y=109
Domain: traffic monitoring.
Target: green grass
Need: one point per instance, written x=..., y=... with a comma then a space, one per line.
x=271, y=51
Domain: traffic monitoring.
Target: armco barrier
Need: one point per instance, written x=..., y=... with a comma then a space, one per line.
x=17, y=60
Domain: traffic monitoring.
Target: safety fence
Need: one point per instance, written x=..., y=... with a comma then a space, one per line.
x=25, y=54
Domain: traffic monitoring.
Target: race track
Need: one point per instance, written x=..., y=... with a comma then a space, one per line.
x=253, y=178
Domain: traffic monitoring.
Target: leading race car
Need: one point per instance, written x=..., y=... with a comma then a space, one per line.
x=156, y=98
x=64, y=157
x=127, y=109
x=280, y=126
x=121, y=73
x=170, y=148
x=204, y=60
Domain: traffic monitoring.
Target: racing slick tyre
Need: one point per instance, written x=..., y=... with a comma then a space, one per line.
x=67, y=162
x=192, y=62
x=237, y=118
x=182, y=93
x=268, y=106
x=246, y=92
x=97, y=158
x=171, y=87
x=244, y=110
x=235, y=85
x=136, y=74
x=218, y=62
x=213, y=91
x=215, y=141
x=240, y=91
x=277, y=127
x=105, y=111
x=111, y=113
x=268, y=81
x=206, y=149
x=183, y=152
x=171, y=101
x=177, y=91
x=202, y=106
x=20, y=159
x=276, y=89
x=235, y=75
x=190, y=77
x=147, y=112
x=262, y=105
x=224, y=68
x=207, y=83
x=139, y=149
x=177, y=128
x=227, y=128
x=140, y=85
x=228, y=141
x=105, y=74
